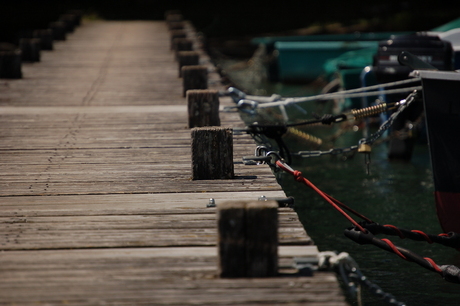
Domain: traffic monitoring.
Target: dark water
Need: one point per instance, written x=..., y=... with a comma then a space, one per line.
x=394, y=193
x=397, y=193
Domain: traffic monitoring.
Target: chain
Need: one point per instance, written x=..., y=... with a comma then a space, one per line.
x=369, y=140
x=387, y=124
x=335, y=151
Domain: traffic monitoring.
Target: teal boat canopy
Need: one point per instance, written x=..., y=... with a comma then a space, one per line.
x=350, y=60
x=448, y=26
x=304, y=60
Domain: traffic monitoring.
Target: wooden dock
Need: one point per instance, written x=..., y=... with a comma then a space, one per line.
x=97, y=205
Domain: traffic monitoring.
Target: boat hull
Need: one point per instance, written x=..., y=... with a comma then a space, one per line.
x=441, y=95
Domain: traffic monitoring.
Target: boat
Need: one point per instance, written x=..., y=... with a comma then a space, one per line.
x=440, y=91
x=301, y=59
x=441, y=97
x=437, y=53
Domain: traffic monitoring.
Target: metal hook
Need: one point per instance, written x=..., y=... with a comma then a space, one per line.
x=248, y=106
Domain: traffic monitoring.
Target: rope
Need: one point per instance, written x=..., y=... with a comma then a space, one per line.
x=352, y=93
x=299, y=178
x=368, y=238
x=359, y=234
x=450, y=239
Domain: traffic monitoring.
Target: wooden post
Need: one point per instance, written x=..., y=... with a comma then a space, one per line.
x=194, y=77
x=30, y=48
x=212, y=153
x=59, y=30
x=248, y=238
x=46, y=38
x=182, y=44
x=70, y=22
x=262, y=238
x=177, y=34
x=231, y=227
x=78, y=16
x=203, y=108
x=176, y=25
x=10, y=62
x=187, y=58
x=172, y=12
x=174, y=16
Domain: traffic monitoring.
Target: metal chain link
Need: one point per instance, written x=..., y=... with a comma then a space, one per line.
x=369, y=140
x=335, y=151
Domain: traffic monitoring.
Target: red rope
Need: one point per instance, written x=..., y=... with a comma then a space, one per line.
x=335, y=203
x=397, y=230
x=299, y=178
x=433, y=264
x=349, y=209
x=394, y=249
x=401, y=235
x=428, y=239
x=397, y=252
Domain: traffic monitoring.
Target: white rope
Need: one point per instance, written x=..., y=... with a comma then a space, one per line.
x=352, y=93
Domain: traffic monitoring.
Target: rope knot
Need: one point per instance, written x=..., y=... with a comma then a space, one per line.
x=298, y=176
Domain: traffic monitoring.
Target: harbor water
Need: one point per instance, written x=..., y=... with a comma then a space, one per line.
x=395, y=193
x=387, y=192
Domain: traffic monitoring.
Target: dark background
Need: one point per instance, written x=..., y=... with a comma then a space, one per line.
x=237, y=18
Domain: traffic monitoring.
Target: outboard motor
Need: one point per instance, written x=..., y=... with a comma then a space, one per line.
x=431, y=50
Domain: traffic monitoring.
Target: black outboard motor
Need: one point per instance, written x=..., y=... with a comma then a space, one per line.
x=431, y=50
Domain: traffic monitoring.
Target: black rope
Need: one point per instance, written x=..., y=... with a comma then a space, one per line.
x=450, y=239
x=368, y=238
x=450, y=273
x=326, y=119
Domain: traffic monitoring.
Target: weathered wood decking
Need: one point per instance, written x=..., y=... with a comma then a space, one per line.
x=96, y=202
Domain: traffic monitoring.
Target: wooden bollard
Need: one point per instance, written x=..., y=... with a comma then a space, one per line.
x=176, y=25
x=194, y=77
x=172, y=12
x=248, y=238
x=203, y=108
x=231, y=244
x=177, y=34
x=70, y=22
x=174, y=16
x=46, y=38
x=187, y=58
x=262, y=238
x=30, y=49
x=182, y=44
x=59, y=30
x=212, y=153
x=10, y=61
x=78, y=14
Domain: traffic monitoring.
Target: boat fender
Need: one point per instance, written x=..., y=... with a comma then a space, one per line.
x=451, y=273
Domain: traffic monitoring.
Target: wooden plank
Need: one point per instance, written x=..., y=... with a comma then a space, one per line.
x=99, y=126
x=151, y=275
x=102, y=232
x=107, y=221
x=121, y=204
